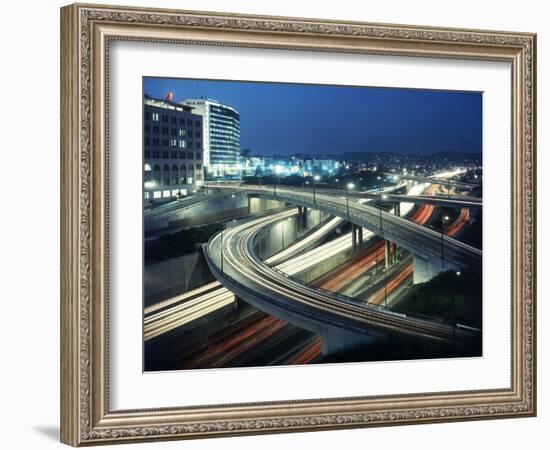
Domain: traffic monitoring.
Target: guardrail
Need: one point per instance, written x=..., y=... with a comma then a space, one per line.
x=343, y=212
x=376, y=316
x=335, y=295
x=179, y=206
x=452, y=244
x=283, y=305
x=428, y=324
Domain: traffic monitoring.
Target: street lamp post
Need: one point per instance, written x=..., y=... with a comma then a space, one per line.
x=454, y=316
x=444, y=220
x=221, y=247
x=315, y=178
x=221, y=244
x=380, y=202
x=275, y=183
x=385, y=289
x=283, y=224
x=349, y=186
x=283, y=233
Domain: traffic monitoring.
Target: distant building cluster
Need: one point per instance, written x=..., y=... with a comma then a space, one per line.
x=256, y=165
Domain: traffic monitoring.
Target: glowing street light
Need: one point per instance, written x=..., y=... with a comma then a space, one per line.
x=380, y=202
x=349, y=187
x=315, y=178
x=444, y=221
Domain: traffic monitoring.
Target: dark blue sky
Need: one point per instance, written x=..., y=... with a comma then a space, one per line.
x=287, y=118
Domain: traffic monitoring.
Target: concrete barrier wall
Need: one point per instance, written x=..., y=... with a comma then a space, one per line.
x=318, y=270
x=215, y=208
x=174, y=276
x=281, y=234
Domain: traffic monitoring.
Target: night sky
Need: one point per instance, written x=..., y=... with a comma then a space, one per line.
x=282, y=118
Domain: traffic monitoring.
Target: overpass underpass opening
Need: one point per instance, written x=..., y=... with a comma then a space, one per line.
x=348, y=241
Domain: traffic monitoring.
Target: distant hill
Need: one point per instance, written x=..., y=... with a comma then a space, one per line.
x=438, y=156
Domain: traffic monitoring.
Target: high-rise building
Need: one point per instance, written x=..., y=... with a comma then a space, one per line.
x=173, y=154
x=221, y=136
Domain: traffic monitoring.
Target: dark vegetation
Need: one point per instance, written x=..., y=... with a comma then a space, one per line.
x=473, y=234
x=405, y=348
x=181, y=243
x=448, y=297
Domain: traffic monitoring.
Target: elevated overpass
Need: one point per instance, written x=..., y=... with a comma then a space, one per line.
x=436, y=180
x=433, y=251
x=452, y=201
x=342, y=321
x=168, y=210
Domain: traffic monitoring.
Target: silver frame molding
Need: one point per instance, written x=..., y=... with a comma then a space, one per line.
x=86, y=33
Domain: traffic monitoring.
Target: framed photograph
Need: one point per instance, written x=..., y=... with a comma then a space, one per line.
x=277, y=224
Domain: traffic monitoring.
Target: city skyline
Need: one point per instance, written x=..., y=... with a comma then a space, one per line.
x=407, y=121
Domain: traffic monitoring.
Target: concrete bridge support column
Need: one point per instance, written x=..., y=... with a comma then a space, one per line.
x=397, y=209
x=360, y=237
x=303, y=217
x=354, y=237
x=337, y=340
x=425, y=269
x=387, y=254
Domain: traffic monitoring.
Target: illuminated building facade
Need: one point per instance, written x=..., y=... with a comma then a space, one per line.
x=221, y=137
x=172, y=149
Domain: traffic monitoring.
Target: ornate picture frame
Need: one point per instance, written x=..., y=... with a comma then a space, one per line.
x=86, y=34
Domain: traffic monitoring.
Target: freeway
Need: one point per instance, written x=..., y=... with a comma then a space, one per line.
x=167, y=210
x=450, y=201
x=340, y=279
x=181, y=310
x=435, y=179
x=437, y=200
x=415, y=238
x=307, y=307
x=169, y=315
x=315, y=236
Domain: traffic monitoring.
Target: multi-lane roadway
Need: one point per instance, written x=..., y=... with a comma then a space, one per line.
x=419, y=240
x=315, y=310
x=177, y=312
